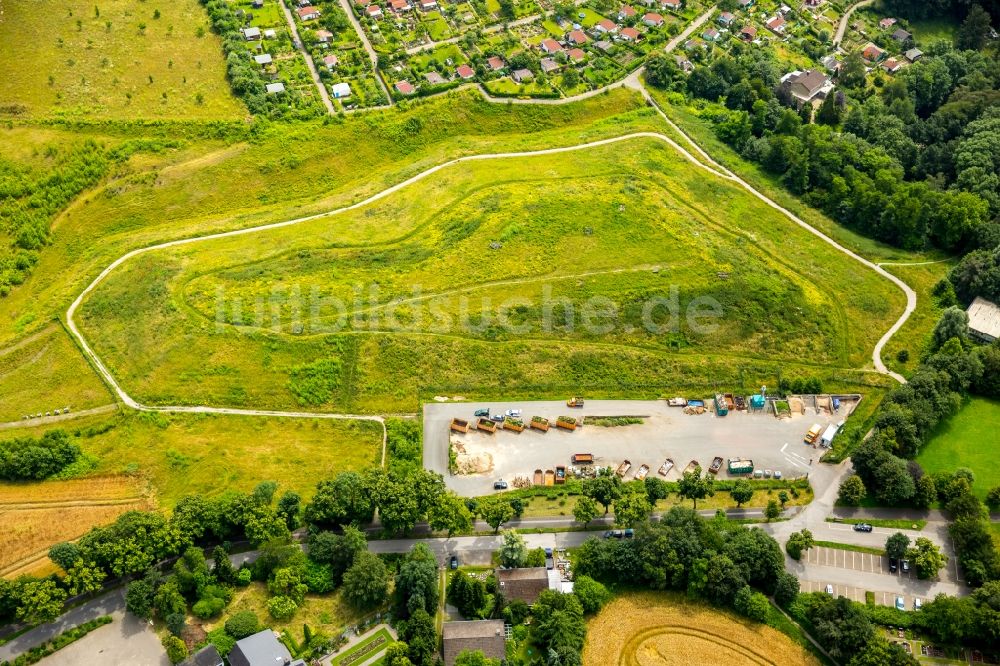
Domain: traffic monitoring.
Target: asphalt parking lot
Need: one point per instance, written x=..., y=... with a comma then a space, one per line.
x=666, y=432
x=850, y=559
x=858, y=594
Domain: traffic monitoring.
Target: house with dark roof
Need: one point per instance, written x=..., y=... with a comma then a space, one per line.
x=808, y=85
x=486, y=636
x=522, y=75
x=522, y=584
x=207, y=656
x=902, y=36
x=261, y=649
x=913, y=55
x=748, y=34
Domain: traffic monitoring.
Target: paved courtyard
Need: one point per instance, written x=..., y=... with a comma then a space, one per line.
x=127, y=640
x=667, y=432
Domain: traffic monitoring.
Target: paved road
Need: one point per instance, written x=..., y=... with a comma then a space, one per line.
x=845, y=19
x=372, y=55
x=309, y=61
x=697, y=23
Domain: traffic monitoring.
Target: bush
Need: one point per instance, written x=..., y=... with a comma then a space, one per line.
x=242, y=624
x=208, y=607
x=176, y=649
x=222, y=641
x=244, y=576
x=281, y=608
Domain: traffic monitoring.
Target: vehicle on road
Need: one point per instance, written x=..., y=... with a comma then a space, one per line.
x=905, y=566
x=893, y=565
x=453, y=562
x=497, y=417
x=862, y=527
x=767, y=474
x=513, y=413
x=574, y=402
x=629, y=533
x=813, y=433
x=900, y=604
x=560, y=474
x=482, y=412
x=500, y=485
x=829, y=590
x=624, y=468
x=916, y=604
x=777, y=473
x=548, y=552
x=614, y=534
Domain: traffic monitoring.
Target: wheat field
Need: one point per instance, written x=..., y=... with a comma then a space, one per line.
x=661, y=629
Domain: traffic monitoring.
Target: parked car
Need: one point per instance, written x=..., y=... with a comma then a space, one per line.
x=629, y=533
x=453, y=562
x=900, y=604
x=777, y=473
x=497, y=417
x=548, y=552
x=905, y=564
x=916, y=603
x=862, y=527
x=893, y=564
x=500, y=485
x=513, y=413
x=482, y=412
x=829, y=590
x=767, y=474
x=614, y=534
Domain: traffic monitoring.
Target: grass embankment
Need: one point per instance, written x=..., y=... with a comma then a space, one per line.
x=965, y=440
x=662, y=629
x=888, y=523
x=836, y=545
x=623, y=223
x=915, y=333
x=114, y=59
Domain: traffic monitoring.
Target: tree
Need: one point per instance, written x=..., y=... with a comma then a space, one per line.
x=176, y=622
x=954, y=323
x=83, y=578
x=467, y=594
x=176, y=649
x=139, y=598
x=397, y=654
x=656, y=489
x=559, y=627
x=416, y=582
x=65, y=555
x=752, y=604
x=347, y=498
x=366, y=582
x=993, y=498
x=852, y=70
x=896, y=545
x=289, y=508
x=975, y=29
x=723, y=579
x=604, y=489
x=742, y=492
x=787, y=589
x=799, y=542
x=242, y=624
x=496, y=511
x=694, y=486
x=474, y=658
x=927, y=558
x=661, y=70
x=829, y=112
x=282, y=608
x=419, y=634
x=773, y=510
x=585, y=510
x=449, y=514
x=513, y=551
x=592, y=594
x=40, y=601
x=631, y=508
x=925, y=492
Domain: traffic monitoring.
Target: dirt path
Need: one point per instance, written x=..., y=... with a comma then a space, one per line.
x=309, y=61
x=698, y=22
x=842, y=28
x=45, y=420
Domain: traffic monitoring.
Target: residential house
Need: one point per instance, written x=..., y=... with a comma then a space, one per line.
x=496, y=63
x=830, y=63
x=262, y=59
x=784, y=10
x=308, y=13
x=710, y=35
x=626, y=12
x=434, y=78
x=274, y=88
x=362, y=3
x=577, y=55
x=887, y=23
x=261, y=649
x=270, y=33
x=578, y=37
x=324, y=36
x=748, y=33
x=892, y=65
x=726, y=18
x=984, y=320
x=673, y=5
x=251, y=34
x=604, y=45
x=902, y=36
x=522, y=75
x=373, y=11
x=548, y=65
x=776, y=25
x=808, y=85
x=913, y=55
x=550, y=46
x=428, y=5
x=404, y=88
x=465, y=72
x=331, y=61
x=522, y=584
x=341, y=90
x=486, y=636
x=605, y=26
x=813, y=3
x=630, y=34
x=257, y=4
x=872, y=53
x=745, y=4
x=207, y=656
x=400, y=6
x=652, y=20
x=684, y=64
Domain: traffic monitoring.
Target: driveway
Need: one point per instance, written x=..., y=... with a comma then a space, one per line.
x=127, y=640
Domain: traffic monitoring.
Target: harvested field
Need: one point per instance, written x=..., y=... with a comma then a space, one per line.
x=33, y=517
x=661, y=629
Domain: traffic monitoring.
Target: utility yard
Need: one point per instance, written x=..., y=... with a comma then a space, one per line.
x=665, y=432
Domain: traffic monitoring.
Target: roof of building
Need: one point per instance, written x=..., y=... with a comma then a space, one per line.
x=913, y=54
x=984, y=318
x=465, y=71
x=523, y=584
x=551, y=45
x=275, y=87
x=486, y=636
x=607, y=25
x=577, y=55
x=523, y=74
x=251, y=32
x=495, y=62
x=434, y=77
x=749, y=31
x=404, y=87
x=260, y=649
x=331, y=60
x=630, y=33
x=652, y=17
x=901, y=35
x=776, y=23
x=579, y=36
x=308, y=11
x=627, y=10
x=548, y=65
x=671, y=3
x=872, y=51
x=207, y=656
x=262, y=59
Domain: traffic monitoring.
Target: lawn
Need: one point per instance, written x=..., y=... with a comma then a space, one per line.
x=927, y=31
x=965, y=441
x=533, y=244
x=371, y=646
x=664, y=629
x=915, y=333
x=113, y=59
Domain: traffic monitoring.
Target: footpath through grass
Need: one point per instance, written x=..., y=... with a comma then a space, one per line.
x=967, y=440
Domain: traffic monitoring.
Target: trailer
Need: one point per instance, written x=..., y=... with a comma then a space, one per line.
x=641, y=473
x=560, y=474
x=583, y=458
x=566, y=423
x=624, y=468
x=691, y=466
x=487, y=425
x=716, y=465
x=460, y=425
x=539, y=423
x=667, y=465
x=730, y=402
x=740, y=467
x=826, y=439
x=677, y=402
x=721, y=407
x=741, y=403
